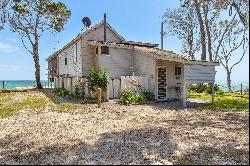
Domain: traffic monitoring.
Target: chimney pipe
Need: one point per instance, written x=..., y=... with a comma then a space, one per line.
x=105, y=27
x=162, y=35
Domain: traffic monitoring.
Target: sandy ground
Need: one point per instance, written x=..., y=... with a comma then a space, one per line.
x=114, y=134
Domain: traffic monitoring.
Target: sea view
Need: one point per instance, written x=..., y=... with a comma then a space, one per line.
x=20, y=83
x=31, y=83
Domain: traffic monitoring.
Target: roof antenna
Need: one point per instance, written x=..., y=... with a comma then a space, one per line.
x=105, y=27
x=162, y=34
x=86, y=22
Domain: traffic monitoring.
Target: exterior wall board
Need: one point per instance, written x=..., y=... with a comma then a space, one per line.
x=72, y=68
x=145, y=66
x=98, y=35
x=88, y=58
x=199, y=74
x=119, y=62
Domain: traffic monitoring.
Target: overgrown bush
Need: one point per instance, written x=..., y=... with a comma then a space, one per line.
x=192, y=88
x=62, y=92
x=89, y=99
x=220, y=92
x=128, y=98
x=203, y=88
x=144, y=97
x=98, y=79
x=79, y=90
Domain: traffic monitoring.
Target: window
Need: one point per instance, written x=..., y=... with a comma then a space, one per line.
x=75, y=53
x=177, y=71
x=105, y=50
x=66, y=61
x=96, y=50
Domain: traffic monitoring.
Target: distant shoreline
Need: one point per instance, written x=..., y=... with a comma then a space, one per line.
x=27, y=84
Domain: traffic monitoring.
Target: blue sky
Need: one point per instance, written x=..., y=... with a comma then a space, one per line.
x=137, y=20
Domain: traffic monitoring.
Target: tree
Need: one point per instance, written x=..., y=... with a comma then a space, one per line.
x=30, y=18
x=209, y=15
x=241, y=6
x=235, y=38
x=3, y=12
x=183, y=23
x=207, y=12
x=98, y=78
x=197, y=5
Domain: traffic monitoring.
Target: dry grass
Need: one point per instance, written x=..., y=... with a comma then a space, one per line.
x=139, y=134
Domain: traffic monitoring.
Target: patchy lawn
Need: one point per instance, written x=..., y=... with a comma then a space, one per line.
x=232, y=101
x=46, y=129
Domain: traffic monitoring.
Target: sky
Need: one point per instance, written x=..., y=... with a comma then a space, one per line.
x=137, y=20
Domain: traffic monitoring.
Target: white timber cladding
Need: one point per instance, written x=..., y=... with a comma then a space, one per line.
x=98, y=35
x=144, y=65
x=172, y=80
x=118, y=62
x=88, y=58
x=74, y=60
x=199, y=74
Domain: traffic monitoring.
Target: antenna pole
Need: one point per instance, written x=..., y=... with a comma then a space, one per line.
x=105, y=26
x=162, y=35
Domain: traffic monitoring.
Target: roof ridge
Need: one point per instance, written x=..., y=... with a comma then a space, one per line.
x=84, y=33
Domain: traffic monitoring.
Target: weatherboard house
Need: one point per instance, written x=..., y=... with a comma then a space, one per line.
x=164, y=73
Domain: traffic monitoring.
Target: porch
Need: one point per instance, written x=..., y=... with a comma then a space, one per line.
x=172, y=78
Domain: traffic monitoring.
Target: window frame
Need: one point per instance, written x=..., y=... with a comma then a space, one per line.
x=75, y=53
x=65, y=61
x=104, y=50
x=178, y=71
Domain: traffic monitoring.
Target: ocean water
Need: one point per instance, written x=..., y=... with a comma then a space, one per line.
x=31, y=83
x=20, y=83
x=235, y=86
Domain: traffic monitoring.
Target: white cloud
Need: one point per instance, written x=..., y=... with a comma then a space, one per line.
x=7, y=48
x=9, y=67
x=12, y=40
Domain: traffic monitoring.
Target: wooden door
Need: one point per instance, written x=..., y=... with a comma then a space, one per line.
x=162, y=83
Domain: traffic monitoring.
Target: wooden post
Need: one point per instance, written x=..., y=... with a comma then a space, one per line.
x=184, y=95
x=107, y=90
x=99, y=97
x=212, y=85
x=51, y=82
x=184, y=90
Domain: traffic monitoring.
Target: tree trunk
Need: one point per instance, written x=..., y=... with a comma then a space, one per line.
x=209, y=41
x=229, y=81
x=202, y=30
x=37, y=66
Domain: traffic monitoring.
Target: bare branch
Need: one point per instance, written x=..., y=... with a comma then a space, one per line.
x=222, y=38
x=25, y=46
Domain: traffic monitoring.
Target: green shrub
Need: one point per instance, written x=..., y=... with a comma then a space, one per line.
x=209, y=90
x=192, y=88
x=62, y=92
x=144, y=97
x=127, y=98
x=79, y=91
x=97, y=79
x=220, y=92
x=203, y=88
x=89, y=99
